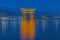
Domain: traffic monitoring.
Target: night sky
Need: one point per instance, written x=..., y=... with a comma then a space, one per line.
x=44, y=7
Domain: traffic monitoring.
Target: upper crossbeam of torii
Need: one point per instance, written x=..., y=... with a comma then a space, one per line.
x=26, y=10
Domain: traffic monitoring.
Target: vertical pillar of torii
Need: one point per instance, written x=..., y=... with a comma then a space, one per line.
x=27, y=27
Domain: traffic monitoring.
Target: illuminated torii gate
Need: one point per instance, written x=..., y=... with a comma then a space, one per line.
x=27, y=27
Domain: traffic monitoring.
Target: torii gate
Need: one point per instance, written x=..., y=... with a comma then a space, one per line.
x=27, y=27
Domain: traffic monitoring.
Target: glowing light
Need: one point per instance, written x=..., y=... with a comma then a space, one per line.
x=4, y=24
x=14, y=23
x=56, y=23
x=44, y=23
x=28, y=27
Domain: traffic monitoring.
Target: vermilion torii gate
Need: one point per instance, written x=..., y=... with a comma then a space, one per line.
x=27, y=27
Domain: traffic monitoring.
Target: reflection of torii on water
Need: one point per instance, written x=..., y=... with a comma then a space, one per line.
x=27, y=27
